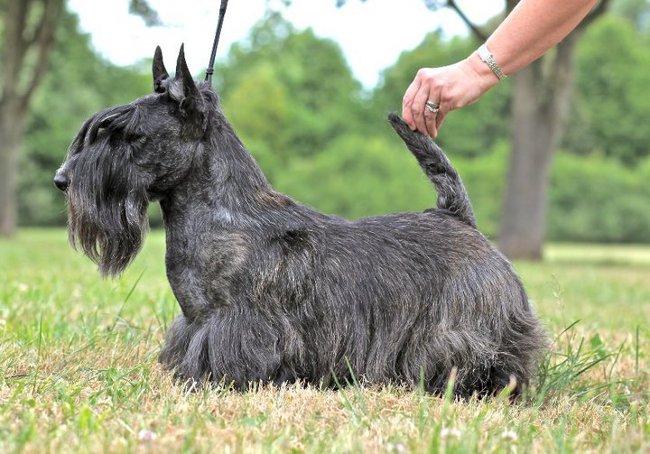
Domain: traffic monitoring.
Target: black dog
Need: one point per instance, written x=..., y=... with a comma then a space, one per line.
x=274, y=291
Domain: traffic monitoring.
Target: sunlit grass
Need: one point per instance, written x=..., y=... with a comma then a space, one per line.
x=78, y=369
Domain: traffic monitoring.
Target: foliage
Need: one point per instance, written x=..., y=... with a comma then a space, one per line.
x=145, y=11
x=636, y=11
x=262, y=119
x=613, y=87
x=595, y=198
x=79, y=369
x=313, y=97
x=359, y=176
x=325, y=142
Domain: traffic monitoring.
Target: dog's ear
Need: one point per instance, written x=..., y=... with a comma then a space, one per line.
x=185, y=91
x=159, y=71
x=191, y=96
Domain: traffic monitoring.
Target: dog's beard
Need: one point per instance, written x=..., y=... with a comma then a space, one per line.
x=107, y=207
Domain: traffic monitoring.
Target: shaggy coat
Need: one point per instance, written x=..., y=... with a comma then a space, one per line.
x=274, y=291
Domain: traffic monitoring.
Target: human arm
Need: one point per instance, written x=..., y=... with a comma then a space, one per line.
x=532, y=28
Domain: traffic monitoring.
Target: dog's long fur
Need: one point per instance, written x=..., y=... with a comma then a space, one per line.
x=274, y=291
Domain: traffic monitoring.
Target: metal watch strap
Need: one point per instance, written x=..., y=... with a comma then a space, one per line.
x=489, y=60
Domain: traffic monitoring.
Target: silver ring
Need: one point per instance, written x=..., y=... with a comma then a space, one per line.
x=432, y=107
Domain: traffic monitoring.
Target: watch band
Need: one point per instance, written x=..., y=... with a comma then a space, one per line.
x=489, y=60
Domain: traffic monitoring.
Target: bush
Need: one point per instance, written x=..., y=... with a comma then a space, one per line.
x=592, y=198
x=598, y=199
x=356, y=177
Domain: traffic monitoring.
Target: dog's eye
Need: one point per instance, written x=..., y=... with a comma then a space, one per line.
x=100, y=132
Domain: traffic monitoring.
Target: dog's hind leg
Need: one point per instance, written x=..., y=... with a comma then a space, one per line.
x=452, y=195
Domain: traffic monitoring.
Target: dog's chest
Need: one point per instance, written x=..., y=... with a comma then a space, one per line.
x=202, y=267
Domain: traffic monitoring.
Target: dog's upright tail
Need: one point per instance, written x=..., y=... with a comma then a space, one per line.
x=452, y=195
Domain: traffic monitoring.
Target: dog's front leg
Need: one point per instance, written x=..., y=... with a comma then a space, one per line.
x=230, y=347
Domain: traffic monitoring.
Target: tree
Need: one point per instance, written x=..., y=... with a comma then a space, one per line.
x=636, y=11
x=280, y=102
x=29, y=28
x=611, y=110
x=541, y=99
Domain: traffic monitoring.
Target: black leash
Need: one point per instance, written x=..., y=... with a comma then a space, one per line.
x=210, y=70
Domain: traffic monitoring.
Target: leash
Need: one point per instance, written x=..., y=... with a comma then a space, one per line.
x=222, y=14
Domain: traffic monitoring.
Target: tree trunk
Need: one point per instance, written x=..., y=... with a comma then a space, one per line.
x=11, y=135
x=540, y=106
x=29, y=27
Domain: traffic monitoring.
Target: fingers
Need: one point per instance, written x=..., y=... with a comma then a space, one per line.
x=424, y=116
x=423, y=89
x=418, y=108
x=407, y=101
x=431, y=122
x=451, y=87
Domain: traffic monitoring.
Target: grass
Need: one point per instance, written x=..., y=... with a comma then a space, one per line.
x=78, y=370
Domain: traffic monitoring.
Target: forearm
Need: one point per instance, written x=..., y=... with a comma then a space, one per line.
x=532, y=28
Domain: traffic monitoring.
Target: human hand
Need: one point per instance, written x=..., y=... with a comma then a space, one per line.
x=449, y=87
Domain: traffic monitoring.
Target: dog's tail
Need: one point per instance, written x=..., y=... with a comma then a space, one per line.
x=452, y=195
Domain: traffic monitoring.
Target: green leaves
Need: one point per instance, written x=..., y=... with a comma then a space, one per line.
x=147, y=13
x=322, y=139
x=613, y=88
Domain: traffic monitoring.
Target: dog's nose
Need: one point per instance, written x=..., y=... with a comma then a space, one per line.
x=61, y=181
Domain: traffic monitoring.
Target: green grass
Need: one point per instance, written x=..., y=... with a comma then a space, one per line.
x=78, y=370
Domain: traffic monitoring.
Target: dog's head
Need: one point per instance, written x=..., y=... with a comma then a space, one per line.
x=125, y=156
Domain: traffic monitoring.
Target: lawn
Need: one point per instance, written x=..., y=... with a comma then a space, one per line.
x=78, y=369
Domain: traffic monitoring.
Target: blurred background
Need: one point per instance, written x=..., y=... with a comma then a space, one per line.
x=308, y=84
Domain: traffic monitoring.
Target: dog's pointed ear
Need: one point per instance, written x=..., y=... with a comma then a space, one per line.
x=190, y=91
x=159, y=71
x=190, y=100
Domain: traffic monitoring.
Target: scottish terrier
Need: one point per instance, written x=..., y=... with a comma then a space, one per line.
x=272, y=291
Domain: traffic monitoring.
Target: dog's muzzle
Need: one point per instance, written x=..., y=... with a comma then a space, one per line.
x=61, y=181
